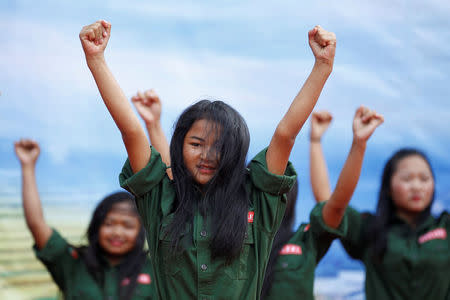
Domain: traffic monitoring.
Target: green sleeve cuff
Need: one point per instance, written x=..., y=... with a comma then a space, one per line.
x=319, y=227
x=54, y=248
x=143, y=181
x=269, y=182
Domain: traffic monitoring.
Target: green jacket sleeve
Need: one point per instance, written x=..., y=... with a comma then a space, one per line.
x=58, y=257
x=269, y=192
x=323, y=234
x=154, y=194
x=355, y=241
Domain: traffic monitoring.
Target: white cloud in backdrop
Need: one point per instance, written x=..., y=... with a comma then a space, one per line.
x=389, y=57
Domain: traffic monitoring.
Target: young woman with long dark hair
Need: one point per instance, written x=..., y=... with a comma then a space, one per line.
x=113, y=265
x=295, y=254
x=405, y=250
x=210, y=229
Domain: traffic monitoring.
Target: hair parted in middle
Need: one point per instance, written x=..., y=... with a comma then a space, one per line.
x=93, y=254
x=223, y=200
x=386, y=210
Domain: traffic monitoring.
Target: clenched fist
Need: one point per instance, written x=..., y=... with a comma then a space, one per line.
x=27, y=151
x=320, y=121
x=364, y=123
x=148, y=106
x=323, y=45
x=94, y=38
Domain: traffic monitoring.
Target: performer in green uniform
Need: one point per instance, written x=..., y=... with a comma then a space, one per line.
x=210, y=229
x=405, y=250
x=112, y=266
x=295, y=255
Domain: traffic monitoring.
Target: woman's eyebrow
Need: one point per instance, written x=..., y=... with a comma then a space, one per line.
x=197, y=138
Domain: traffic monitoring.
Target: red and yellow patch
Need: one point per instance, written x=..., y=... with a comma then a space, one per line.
x=250, y=216
x=73, y=253
x=306, y=227
x=125, y=281
x=438, y=233
x=291, y=249
x=144, y=279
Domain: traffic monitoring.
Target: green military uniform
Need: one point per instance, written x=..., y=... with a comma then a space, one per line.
x=416, y=264
x=297, y=260
x=74, y=280
x=192, y=274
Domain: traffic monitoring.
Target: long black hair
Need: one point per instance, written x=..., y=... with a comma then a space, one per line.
x=93, y=255
x=283, y=235
x=224, y=198
x=386, y=210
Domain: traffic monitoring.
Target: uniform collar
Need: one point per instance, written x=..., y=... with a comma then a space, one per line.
x=405, y=227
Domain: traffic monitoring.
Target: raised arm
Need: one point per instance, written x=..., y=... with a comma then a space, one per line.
x=323, y=46
x=27, y=151
x=364, y=124
x=317, y=165
x=149, y=106
x=94, y=39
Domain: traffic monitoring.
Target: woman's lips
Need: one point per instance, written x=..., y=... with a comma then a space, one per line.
x=416, y=198
x=116, y=243
x=206, y=169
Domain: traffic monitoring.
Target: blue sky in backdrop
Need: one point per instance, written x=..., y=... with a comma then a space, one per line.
x=392, y=56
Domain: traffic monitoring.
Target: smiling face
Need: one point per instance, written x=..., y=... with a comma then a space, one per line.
x=119, y=230
x=412, y=185
x=199, y=151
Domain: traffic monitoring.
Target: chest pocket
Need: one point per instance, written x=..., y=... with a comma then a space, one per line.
x=240, y=267
x=82, y=286
x=433, y=250
x=290, y=257
x=171, y=258
x=143, y=292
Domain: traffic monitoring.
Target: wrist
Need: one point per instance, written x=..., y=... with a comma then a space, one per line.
x=324, y=66
x=95, y=60
x=153, y=125
x=28, y=166
x=314, y=139
x=359, y=143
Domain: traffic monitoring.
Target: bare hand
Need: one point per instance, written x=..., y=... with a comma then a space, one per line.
x=27, y=151
x=323, y=45
x=94, y=38
x=320, y=121
x=364, y=123
x=148, y=106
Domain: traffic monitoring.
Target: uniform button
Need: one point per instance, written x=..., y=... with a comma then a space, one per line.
x=203, y=233
x=204, y=267
x=284, y=265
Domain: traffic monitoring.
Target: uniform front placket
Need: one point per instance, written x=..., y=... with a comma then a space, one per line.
x=110, y=283
x=202, y=238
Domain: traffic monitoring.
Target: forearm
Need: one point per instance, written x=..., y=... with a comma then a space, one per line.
x=306, y=99
x=159, y=141
x=122, y=113
x=32, y=207
x=320, y=182
x=287, y=130
x=334, y=209
x=113, y=96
